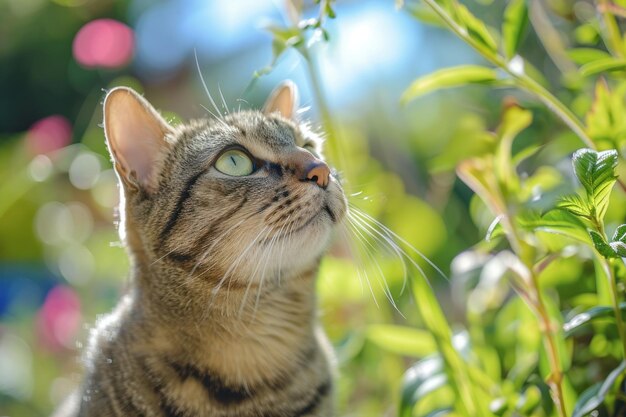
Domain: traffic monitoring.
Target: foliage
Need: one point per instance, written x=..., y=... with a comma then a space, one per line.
x=519, y=199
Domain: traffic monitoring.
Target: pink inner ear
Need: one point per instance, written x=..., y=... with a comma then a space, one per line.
x=136, y=135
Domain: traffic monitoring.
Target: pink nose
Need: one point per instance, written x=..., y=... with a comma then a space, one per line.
x=319, y=173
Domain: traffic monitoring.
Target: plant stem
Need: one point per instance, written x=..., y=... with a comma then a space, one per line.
x=523, y=81
x=333, y=143
x=545, y=324
x=615, y=301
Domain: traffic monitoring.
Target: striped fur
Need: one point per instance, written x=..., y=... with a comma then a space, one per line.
x=220, y=317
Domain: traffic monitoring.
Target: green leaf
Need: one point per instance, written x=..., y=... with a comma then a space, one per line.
x=515, y=22
x=447, y=78
x=421, y=378
x=558, y=222
x=593, y=313
x=606, y=124
x=620, y=234
x=476, y=29
x=594, y=396
x=596, y=172
x=574, y=204
x=602, y=246
x=602, y=65
x=402, y=340
x=586, y=55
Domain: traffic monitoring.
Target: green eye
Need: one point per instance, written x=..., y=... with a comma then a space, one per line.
x=235, y=163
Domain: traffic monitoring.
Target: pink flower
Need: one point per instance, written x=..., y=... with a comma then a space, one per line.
x=59, y=319
x=49, y=134
x=104, y=43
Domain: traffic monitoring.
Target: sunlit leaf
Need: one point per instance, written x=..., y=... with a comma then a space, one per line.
x=606, y=124
x=574, y=204
x=602, y=246
x=581, y=319
x=475, y=27
x=558, y=222
x=602, y=65
x=594, y=396
x=402, y=340
x=596, y=172
x=515, y=22
x=447, y=78
x=586, y=55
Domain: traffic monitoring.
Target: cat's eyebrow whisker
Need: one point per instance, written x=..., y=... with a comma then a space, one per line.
x=223, y=100
x=206, y=89
x=216, y=117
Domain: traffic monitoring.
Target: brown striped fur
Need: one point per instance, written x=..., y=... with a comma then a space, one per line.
x=220, y=318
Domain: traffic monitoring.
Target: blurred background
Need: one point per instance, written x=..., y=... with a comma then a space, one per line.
x=61, y=262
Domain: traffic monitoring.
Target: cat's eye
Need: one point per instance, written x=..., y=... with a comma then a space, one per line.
x=235, y=163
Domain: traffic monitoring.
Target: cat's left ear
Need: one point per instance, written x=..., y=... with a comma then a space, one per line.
x=136, y=136
x=283, y=100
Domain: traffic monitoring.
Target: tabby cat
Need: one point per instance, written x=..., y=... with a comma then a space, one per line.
x=225, y=221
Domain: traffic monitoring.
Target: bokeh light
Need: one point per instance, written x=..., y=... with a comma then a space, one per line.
x=49, y=134
x=104, y=43
x=59, y=319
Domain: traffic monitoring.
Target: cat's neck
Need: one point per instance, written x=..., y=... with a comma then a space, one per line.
x=255, y=335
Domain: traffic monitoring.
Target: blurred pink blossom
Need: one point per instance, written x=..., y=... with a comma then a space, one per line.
x=49, y=134
x=104, y=43
x=59, y=319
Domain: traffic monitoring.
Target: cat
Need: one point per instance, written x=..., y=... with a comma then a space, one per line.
x=225, y=221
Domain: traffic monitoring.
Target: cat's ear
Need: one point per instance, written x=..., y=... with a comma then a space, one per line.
x=136, y=137
x=284, y=100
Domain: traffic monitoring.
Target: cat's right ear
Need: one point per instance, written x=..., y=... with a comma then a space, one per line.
x=136, y=137
x=283, y=100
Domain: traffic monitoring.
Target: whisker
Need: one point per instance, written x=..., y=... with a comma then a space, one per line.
x=398, y=237
x=206, y=89
x=385, y=287
x=223, y=101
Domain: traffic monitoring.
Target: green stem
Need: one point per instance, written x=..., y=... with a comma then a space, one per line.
x=614, y=41
x=615, y=301
x=537, y=303
x=333, y=144
x=522, y=80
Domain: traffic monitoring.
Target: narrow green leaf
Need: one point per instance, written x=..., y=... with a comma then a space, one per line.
x=515, y=22
x=415, y=378
x=574, y=204
x=475, y=28
x=402, y=340
x=596, y=172
x=447, y=78
x=583, y=56
x=602, y=246
x=581, y=319
x=594, y=396
x=602, y=65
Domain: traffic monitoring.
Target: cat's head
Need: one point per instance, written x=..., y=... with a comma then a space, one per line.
x=245, y=196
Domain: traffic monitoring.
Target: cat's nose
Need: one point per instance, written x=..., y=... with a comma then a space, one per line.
x=319, y=173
